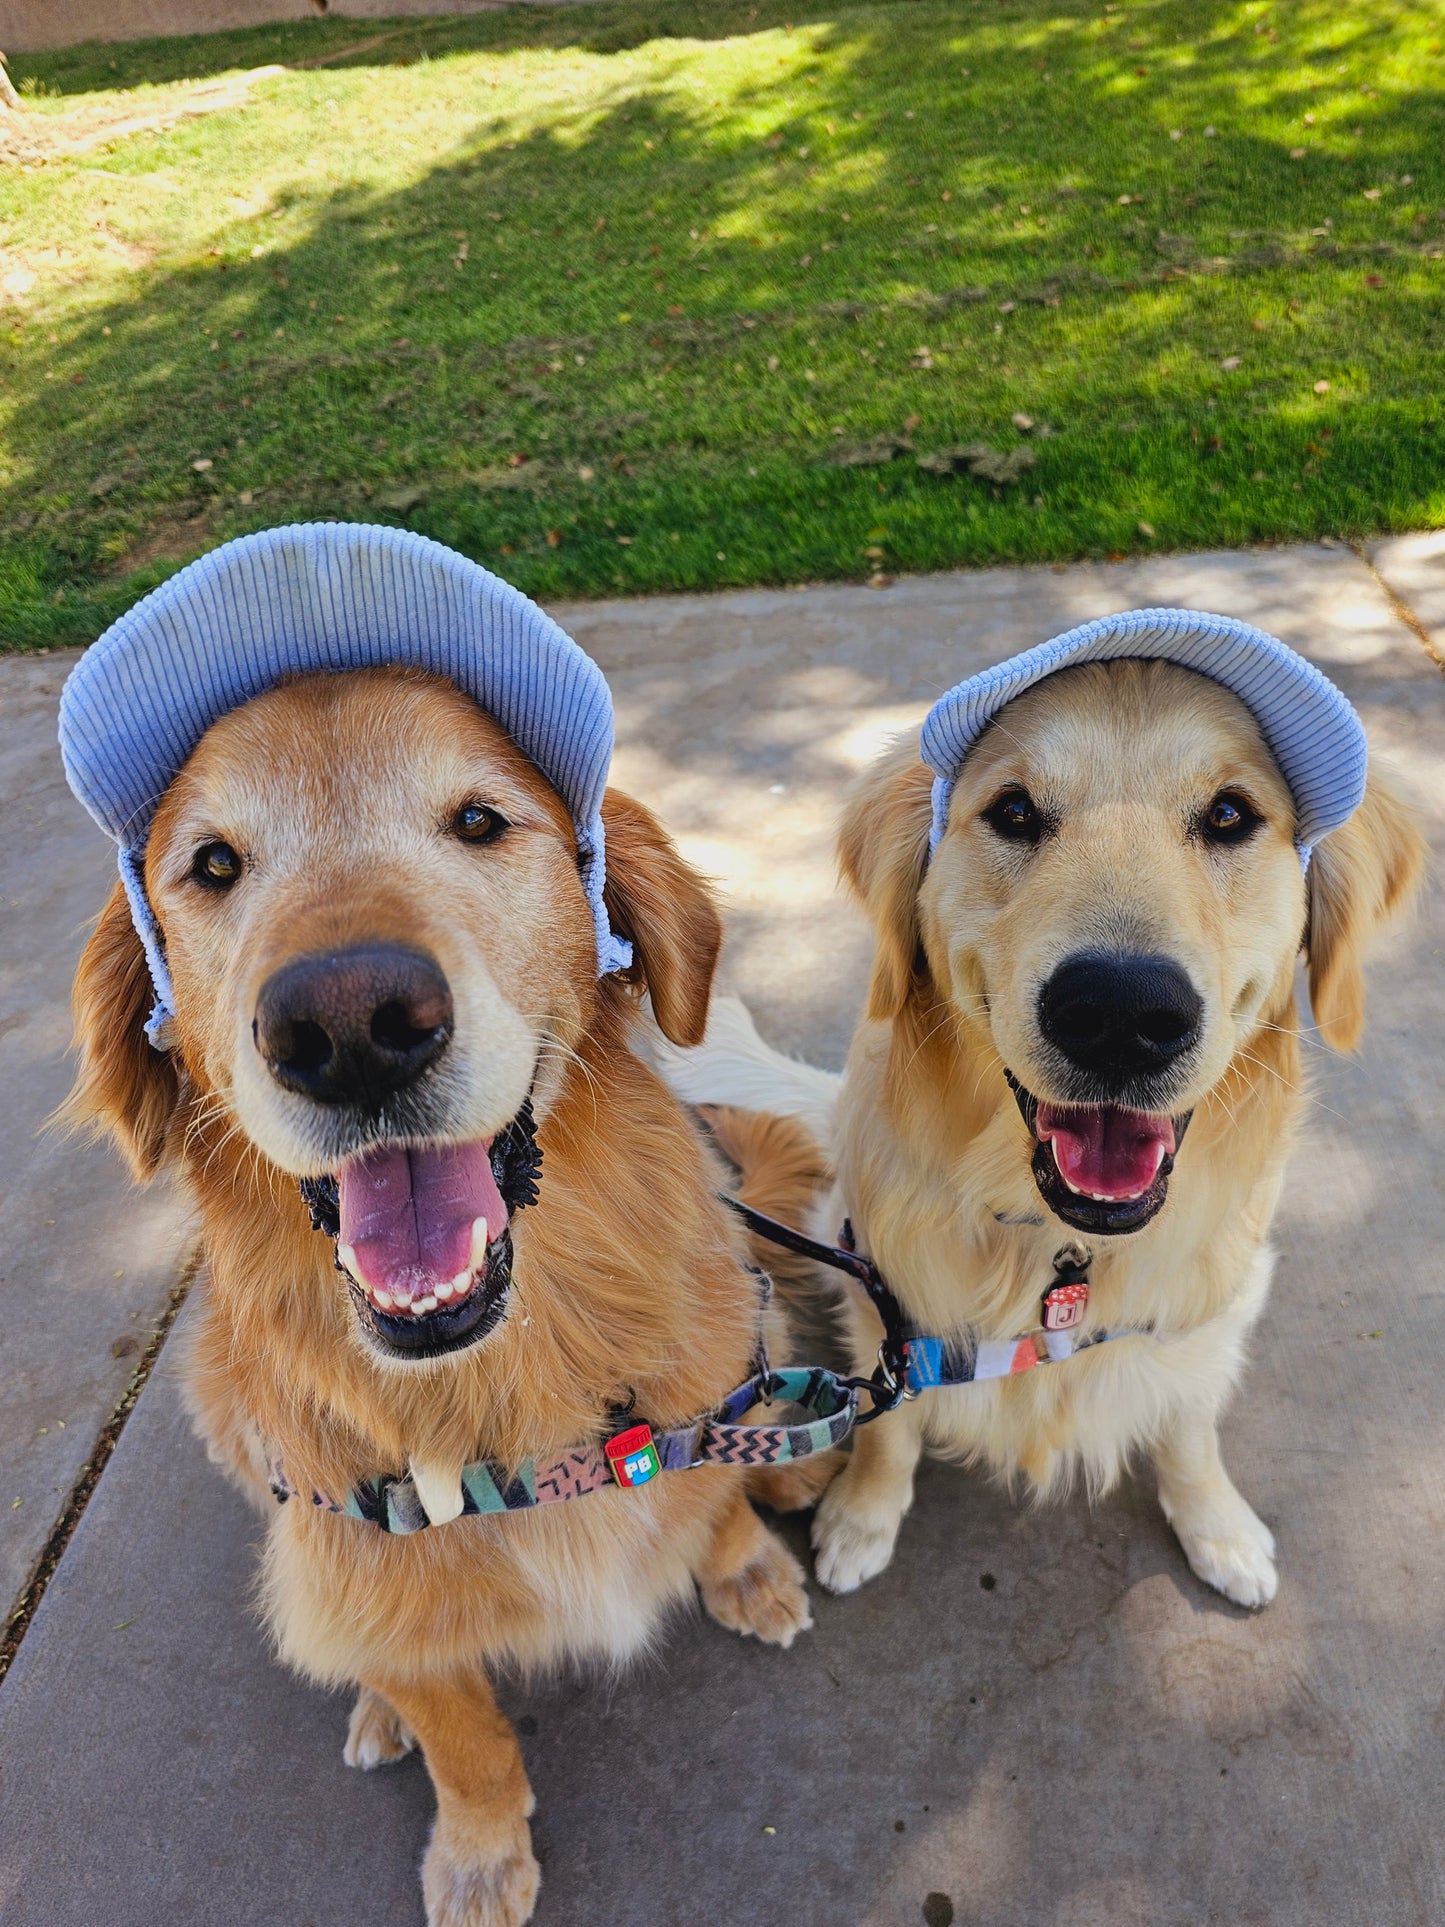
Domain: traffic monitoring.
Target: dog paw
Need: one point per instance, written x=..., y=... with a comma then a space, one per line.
x=466, y=1888
x=1234, y=1555
x=377, y=1734
x=766, y=1598
x=851, y=1546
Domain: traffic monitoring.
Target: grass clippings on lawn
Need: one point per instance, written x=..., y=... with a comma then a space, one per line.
x=635, y=297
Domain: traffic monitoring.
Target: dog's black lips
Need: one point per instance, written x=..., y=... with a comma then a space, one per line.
x=1101, y=1218
x=450, y=1328
x=516, y=1160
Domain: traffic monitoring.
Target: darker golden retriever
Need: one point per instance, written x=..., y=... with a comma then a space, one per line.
x=361, y=879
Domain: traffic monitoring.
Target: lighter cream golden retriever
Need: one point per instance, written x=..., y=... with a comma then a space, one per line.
x=381, y=949
x=1113, y=917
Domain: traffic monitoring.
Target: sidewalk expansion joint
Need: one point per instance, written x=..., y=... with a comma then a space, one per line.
x=53, y=1551
x=1401, y=609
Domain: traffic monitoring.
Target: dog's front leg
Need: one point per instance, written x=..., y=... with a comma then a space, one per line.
x=1227, y=1544
x=750, y=1582
x=856, y=1527
x=479, y=1869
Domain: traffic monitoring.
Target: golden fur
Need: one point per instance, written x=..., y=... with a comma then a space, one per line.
x=933, y=1162
x=627, y=1274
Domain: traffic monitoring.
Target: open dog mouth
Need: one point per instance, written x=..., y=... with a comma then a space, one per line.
x=424, y=1241
x=423, y=1236
x=1100, y=1168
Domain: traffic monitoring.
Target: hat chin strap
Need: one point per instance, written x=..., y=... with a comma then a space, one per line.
x=132, y=875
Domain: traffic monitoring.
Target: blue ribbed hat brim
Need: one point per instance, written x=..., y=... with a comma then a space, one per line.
x=1313, y=733
x=327, y=596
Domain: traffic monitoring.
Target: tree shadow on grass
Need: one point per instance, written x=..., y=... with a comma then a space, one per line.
x=591, y=26
x=612, y=385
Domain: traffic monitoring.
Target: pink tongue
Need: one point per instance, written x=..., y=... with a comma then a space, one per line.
x=1104, y=1152
x=408, y=1215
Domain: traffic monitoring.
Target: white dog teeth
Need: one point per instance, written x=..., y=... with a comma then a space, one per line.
x=421, y=1305
x=348, y=1258
x=381, y=1299
x=479, y=1243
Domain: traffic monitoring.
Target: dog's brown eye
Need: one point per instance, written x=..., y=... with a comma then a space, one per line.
x=216, y=865
x=1230, y=818
x=1015, y=815
x=475, y=823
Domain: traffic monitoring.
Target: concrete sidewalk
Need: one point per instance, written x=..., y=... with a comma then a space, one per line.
x=1037, y=1713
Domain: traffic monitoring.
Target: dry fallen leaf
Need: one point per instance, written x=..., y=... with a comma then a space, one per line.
x=1322, y=387
x=1372, y=194
x=400, y=499
x=1298, y=153
x=554, y=538
x=1147, y=528
x=1230, y=363
x=1023, y=423
x=202, y=464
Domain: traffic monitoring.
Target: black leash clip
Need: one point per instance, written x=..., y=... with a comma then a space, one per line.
x=887, y=1385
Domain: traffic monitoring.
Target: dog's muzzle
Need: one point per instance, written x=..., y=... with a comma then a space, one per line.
x=1100, y=1168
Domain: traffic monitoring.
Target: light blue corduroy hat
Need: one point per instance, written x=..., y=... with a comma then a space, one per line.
x=1311, y=729
x=324, y=596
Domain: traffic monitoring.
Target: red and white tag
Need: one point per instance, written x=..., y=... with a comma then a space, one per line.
x=1065, y=1305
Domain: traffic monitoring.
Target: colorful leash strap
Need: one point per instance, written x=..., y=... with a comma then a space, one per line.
x=915, y=1362
x=934, y=1362
x=629, y=1458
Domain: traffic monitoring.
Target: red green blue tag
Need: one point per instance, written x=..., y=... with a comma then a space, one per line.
x=633, y=1456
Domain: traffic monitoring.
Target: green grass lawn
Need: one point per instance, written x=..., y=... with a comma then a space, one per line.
x=602, y=295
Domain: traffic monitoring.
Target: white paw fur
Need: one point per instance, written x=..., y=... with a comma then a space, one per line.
x=850, y=1543
x=1229, y=1547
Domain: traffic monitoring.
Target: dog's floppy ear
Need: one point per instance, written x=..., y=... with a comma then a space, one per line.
x=883, y=853
x=124, y=1088
x=663, y=907
x=1359, y=876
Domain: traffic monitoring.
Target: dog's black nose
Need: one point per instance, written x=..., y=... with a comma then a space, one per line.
x=1120, y=1017
x=353, y=1026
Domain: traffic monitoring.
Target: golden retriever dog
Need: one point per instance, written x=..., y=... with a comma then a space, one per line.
x=380, y=952
x=1100, y=952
